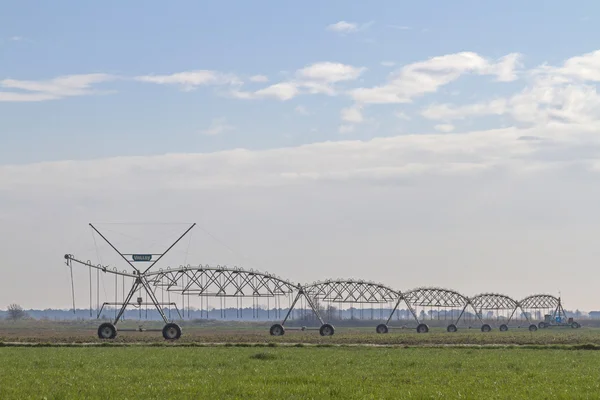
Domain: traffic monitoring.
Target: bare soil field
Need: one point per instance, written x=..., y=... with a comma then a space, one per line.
x=206, y=332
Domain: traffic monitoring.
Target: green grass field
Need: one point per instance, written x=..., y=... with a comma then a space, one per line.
x=296, y=373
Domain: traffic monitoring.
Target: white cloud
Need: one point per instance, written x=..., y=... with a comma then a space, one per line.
x=352, y=115
x=580, y=68
x=53, y=89
x=218, y=126
x=365, y=197
x=329, y=72
x=343, y=27
x=536, y=179
x=259, y=78
x=553, y=95
x=428, y=76
x=400, y=27
x=402, y=156
x=281, y=91
x=317, y=78
x=444, y=128
x=190, y=80
x=448, y=112
x=505, y=68
x=16, y=38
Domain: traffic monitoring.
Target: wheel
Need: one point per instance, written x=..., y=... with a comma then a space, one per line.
x=422, y=328
x=381, y=328
x=326, y=330
x=107, y=331
x=451, y=328
x=485, y=328
x=533, y=328
x=503, y=328
x=575, y=325
x=542, y=325
x=277, y=330
x=171, y=331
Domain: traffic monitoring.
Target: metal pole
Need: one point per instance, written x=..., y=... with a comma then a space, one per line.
x=134, y=287
x=114, y=248
x=166, y=251
x=394, y=310
x=146, y=286
x=291, y=307
x=310, y=303
x=511, y=315
x=461, y=314
x=72, y=284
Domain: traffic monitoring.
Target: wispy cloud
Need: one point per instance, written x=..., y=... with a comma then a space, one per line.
x=428, y=76
x=259, y=78
x=344, y=27
x=317, y=78
x=565, y=94
x=400, y=27
x=352, y=115
x=190, y=80
x=444, y=128
x=217, y=127
x=53, y=89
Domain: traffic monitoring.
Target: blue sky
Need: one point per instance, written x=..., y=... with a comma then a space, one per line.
x=426, y=143
x=246, y=38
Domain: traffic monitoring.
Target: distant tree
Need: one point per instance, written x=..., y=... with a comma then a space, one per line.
x=16, y=312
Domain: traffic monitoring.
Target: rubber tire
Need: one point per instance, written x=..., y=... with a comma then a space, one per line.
x=422, y=328
x=169, y=326
x=486, y=328
x=452, y=328
x=326, y=330
x=533, y=328
x=103, y=327
x=277, y=330
x=381, y=328
x=503, y=328
x=542, y=325
x=575, y=325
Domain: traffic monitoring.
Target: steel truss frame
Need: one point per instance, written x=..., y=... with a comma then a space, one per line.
x=440, y=298
x=108, y=330
x=236, y=282
x=547, y=302
x=201, y=281
x=226, y=282
x=495, y=302
x=355, y=292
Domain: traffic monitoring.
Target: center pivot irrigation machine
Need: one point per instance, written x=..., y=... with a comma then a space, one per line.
x=438, y=306
x=200, y=281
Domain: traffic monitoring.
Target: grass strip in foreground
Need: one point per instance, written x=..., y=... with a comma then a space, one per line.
x=344, y=372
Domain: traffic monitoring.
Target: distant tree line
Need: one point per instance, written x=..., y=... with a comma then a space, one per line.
x=15, y=312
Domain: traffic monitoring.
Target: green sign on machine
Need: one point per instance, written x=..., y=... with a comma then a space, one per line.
x=142, y=257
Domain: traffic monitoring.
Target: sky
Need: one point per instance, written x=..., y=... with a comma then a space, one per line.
x=451, y=144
